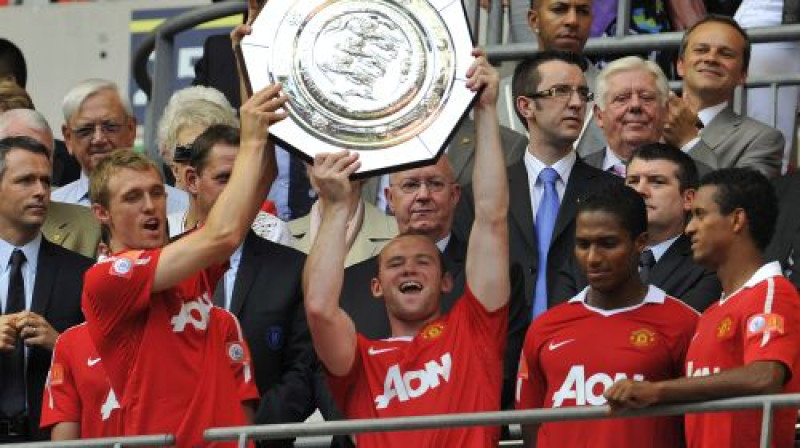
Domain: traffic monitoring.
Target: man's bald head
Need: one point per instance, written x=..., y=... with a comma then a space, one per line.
x=27, y=123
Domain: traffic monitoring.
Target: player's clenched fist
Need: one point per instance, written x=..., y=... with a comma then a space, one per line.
x=331, y=175
x=259, y=112
x=481, y=75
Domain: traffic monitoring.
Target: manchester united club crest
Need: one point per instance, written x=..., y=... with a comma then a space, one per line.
x=433, y=330
x=725, y=328
x=643, y=338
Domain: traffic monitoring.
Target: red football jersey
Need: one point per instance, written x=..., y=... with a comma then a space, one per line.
x=759, y=322
x=78, y=389
x=169, y=355
x=453, y=365
x=573, y=353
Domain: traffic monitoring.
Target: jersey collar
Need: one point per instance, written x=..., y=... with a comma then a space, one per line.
x=654, y=295
x=769, y=270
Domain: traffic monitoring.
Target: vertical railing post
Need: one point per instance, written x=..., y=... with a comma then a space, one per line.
x=163, y=74
x=774, y=89
x=476, y=22
x=494, y=28
x=623, y=17
x=766, y=425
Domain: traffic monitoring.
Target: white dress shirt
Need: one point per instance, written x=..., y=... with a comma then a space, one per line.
x=31, y=251
x=535, y=186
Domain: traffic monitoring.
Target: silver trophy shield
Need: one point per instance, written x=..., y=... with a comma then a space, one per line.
x=385, y=78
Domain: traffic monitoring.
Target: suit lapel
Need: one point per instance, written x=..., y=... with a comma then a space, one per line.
x=461, y=148
x=672, y=259
x=246, y=274
x=521, y=212
x=720, y=127
x=46, y=272
x=578, y=180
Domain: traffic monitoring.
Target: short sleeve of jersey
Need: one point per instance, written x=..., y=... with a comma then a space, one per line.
x=61, y=402
x=531, y=388
x=116, y=290
x=772, y=332
x=238, y=354
x=341, y=385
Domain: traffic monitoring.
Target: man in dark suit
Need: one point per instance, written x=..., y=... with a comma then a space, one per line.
x=262, y=288
x=550, y=94
x=33, y=314
x=667, y=180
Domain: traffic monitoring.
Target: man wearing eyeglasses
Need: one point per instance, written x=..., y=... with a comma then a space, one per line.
x=631, y=108
x=551, y=95
x=97, y=120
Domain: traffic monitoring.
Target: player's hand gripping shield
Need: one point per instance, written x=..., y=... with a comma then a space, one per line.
x=385, y=78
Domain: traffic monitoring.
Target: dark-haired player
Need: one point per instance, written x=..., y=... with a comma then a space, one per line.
x=746, y=343
x=616, y=328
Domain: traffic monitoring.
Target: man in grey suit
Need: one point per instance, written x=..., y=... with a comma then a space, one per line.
x=713, y=60
x=631, y=105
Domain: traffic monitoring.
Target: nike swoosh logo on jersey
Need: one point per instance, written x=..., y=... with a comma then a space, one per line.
x=556, y=345
x=377, y=351
x=91, y=362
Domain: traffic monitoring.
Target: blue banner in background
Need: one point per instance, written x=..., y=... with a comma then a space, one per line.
x=188, y=49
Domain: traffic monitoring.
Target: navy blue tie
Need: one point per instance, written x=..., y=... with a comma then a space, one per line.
x=545, y=222
x=12, y=364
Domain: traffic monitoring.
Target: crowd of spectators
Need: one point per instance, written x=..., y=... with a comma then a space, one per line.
x=636, y=247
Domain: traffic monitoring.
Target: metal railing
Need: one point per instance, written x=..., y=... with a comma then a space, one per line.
x=243, y=434
x=767, y=403
x=639, y=43
x=108, y=442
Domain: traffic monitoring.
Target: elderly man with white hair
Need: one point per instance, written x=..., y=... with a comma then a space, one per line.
x=631, y=105
x=98, y=119
x=70, y=226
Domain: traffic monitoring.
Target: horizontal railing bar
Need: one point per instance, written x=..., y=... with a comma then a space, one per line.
x=789, y=79
x=640, y=43
x=528, y=416
x=132, y=441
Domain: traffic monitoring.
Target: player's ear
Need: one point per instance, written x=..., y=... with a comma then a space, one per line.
x=376, y=288
x=101, y=214
x=447, y=283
